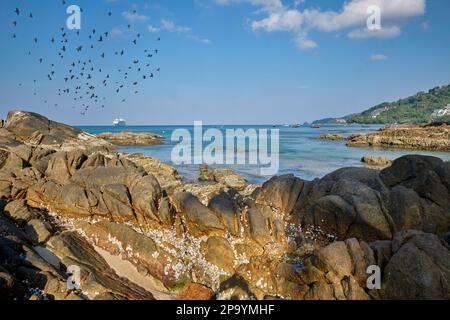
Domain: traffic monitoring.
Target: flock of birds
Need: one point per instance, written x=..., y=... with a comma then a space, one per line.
x=90, y=78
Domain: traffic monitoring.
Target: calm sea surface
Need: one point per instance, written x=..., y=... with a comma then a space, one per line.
x=301, y=153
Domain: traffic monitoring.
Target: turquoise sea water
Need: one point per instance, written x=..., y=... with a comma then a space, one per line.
x=301, y=153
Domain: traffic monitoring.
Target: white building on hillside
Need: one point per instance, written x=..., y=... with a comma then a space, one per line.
x=441, y=112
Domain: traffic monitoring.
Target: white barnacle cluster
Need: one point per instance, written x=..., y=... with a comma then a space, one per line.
x=130, y=253
x=114, y=241
x=239, y=258
x=261, y=283
x=39, y=293
x=278, y=214
x=225, y=295
x=187, y=249
x=292, y=231
x=315, y=233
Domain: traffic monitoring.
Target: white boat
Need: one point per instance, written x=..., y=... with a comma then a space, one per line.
x=119, y=122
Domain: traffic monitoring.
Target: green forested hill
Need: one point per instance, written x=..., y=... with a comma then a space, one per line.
x=421, y=107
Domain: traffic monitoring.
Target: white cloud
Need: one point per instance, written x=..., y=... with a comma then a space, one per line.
x=304, y=43
x=384, y=33
x=171, y=26
x=134, y=17
x=284, y=20
x=351, y=18
x=198, y=39
x=378, y=57
x=121, y=31
x=153, y=29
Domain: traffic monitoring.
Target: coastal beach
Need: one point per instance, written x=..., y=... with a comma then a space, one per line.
x=233, y=158
x=98, y=223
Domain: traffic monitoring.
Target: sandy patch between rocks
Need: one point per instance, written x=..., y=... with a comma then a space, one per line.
x=126, y=269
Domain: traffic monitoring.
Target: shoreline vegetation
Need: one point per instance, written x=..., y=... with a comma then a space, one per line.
x=139, y=231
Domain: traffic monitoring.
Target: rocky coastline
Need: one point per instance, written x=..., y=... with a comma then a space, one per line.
x=68, y=199
x=431, y=137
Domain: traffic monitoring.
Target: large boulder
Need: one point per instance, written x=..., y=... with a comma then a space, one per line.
x=124, y=194
x=199, y=219
x=349, y=203
x=283, y=193
x=35, y=129
x=226, y=177
x=62, y=165
x=219, y=252
x=418, y=269
x=420, y=193
x=26, y=124
x=225, y=208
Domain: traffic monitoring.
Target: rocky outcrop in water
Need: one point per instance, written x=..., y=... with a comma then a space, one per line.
x=332, y=136
x=376, y=161
x=418, y=137
x=220, y=238
x=126, y=138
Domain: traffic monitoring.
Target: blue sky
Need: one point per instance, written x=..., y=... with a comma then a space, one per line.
x=226, y=61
